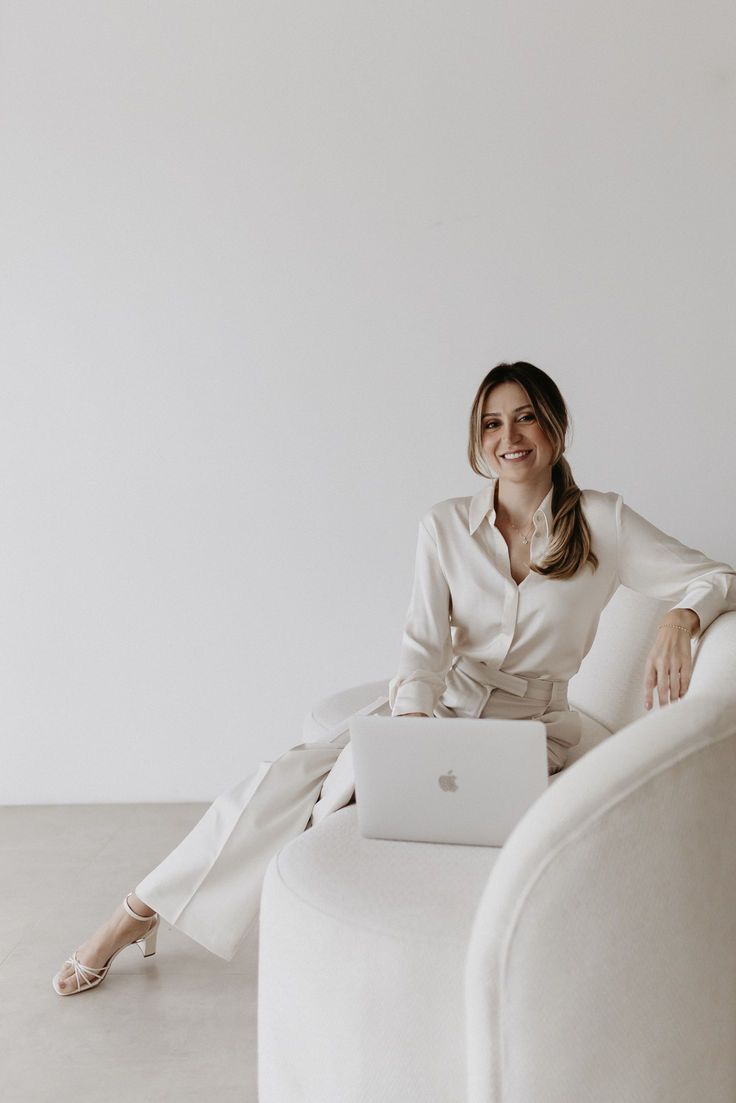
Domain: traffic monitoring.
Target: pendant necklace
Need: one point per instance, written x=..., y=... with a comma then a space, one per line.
x=524, y=539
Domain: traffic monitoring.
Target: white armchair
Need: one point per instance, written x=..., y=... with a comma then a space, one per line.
x=592, y=959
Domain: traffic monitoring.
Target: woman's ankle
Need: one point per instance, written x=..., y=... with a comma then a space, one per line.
x=139, y=906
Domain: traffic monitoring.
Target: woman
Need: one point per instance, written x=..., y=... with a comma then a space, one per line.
x=508, y=589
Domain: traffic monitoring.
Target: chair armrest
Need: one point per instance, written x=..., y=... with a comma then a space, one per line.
x=602, y=955
x=714, y=659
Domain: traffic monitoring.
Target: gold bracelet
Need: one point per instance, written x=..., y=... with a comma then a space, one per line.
x=681, y=628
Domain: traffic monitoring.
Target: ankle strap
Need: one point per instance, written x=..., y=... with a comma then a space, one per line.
x=135, y=915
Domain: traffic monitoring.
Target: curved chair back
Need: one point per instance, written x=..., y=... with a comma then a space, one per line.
x=602, y=958
x=610, y=683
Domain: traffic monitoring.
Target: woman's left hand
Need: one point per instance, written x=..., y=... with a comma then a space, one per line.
x=669, y=663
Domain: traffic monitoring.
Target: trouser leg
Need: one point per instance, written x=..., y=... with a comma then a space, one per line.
x=209, y=886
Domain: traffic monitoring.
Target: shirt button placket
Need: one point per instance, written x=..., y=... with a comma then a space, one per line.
x=510, y=608
x=502, y=642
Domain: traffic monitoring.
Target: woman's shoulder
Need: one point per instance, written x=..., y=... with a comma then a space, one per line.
x=603, y=499
x=599, y=506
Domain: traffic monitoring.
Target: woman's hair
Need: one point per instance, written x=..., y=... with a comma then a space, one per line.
x=570, y=542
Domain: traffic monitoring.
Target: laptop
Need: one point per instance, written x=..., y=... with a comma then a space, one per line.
x=437, y=780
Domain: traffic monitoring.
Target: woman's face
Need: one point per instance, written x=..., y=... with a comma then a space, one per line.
x=509, y=424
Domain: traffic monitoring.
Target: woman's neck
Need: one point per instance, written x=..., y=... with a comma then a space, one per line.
x=519, y=501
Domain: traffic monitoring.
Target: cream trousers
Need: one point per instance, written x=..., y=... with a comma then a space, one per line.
x=209, y=886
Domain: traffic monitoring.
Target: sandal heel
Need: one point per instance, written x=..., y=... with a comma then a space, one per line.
x=148, y=942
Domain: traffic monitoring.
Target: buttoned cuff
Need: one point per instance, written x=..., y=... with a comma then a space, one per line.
x=414, y=697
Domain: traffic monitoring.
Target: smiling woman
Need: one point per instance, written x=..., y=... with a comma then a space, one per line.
x=511, y=582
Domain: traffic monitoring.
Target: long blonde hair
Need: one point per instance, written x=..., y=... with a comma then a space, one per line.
x=570, y=541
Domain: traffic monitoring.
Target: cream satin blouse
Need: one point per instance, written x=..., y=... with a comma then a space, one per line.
x=464, y=600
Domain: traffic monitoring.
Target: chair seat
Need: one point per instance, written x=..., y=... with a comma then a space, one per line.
x=344, y=922
x=406, y=889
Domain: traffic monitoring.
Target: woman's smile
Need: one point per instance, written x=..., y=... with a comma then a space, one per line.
x=517, y=456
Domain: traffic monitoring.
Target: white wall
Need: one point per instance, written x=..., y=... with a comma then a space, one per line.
x=256, y=259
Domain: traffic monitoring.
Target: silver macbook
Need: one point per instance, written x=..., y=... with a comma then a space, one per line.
x=436, y=780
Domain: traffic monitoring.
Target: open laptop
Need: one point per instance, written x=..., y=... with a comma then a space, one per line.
x=457, y=780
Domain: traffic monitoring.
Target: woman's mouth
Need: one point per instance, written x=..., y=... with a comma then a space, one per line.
x=516, y=457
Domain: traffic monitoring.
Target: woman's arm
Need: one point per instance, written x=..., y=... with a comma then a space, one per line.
x=656, y=564
x=426, y=646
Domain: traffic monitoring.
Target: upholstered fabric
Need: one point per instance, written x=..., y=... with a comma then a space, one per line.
x=332, y=710
x=602, y=962
x=610, y=683
x=340, y=913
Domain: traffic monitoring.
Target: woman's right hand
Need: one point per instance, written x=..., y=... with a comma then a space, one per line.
x=414, y=714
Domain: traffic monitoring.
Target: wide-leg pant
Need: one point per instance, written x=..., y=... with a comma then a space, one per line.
x=209, y=886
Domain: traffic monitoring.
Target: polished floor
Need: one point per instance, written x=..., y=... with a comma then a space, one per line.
x=178, y=1026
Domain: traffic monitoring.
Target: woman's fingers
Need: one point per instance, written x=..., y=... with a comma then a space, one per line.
x=650, y=681
x=663, y=683
x=680, y=680
x=670, y=682
x=674, y=684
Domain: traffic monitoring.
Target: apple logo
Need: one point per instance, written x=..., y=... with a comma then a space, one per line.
x=447, y=782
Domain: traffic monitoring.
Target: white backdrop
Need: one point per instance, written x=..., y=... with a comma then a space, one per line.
x=256, y=259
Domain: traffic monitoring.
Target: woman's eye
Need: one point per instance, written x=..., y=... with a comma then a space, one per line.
x=493, y=424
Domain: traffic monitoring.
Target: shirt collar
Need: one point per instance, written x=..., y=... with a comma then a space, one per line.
x=482, y=505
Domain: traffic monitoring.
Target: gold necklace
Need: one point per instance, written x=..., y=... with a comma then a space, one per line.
x=524, y=539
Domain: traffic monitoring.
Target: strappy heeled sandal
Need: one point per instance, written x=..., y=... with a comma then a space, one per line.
x=87, y=977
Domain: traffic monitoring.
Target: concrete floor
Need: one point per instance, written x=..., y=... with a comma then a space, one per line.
x=178, y=1026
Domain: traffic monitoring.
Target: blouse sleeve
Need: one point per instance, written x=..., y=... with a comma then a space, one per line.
x=656, y=564
x=426, y=648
